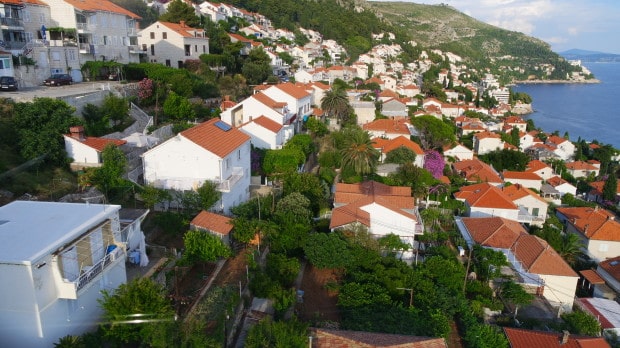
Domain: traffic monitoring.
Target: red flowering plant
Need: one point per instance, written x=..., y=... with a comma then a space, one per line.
x=146, y=91
x=434, y=163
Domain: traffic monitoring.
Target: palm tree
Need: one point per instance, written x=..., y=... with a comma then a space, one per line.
x=358, y=152
x=570, y=249
x=336, y=104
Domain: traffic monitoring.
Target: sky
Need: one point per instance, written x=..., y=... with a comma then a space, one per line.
x=592, y=25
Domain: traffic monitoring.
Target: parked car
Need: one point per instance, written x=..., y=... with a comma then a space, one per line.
x=59, y=80
x=8, y=83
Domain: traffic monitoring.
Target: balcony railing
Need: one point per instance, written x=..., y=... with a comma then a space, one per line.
x=11, y=22
x=228, y=184
x=93, y=271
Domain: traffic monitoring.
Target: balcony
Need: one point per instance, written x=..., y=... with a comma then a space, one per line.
x=228, y=184
x=11, y=22
x=85, y=27
x=71, y=289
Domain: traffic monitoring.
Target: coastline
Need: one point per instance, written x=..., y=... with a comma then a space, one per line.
x=557, y=81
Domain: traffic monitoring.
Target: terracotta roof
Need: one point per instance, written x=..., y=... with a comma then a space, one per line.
x=213, y=222
x=495, y=232
x=239, y=37
x=593, y=223
x=327, y=338
x=535, y=165
x=388, y=93
x=292, y=90
x=182, y=30
x=397, y=126
x=521, y=338
x=21, y=2
x=476, y=170
x=100, y=5
x=537, y=256
x=265, y=99
x=518, y=191
x=214, y=139
x=507, y=174
x=592, y=276
x=597, y=187
x=485, y=195
x=388, y=145
x=556, y=181
x=487, y=134
x=98, y=143
x=612, y=267
x=346, y=193
x=514, y=120
x=268, y=123
x=556, y=140
x=580, y=165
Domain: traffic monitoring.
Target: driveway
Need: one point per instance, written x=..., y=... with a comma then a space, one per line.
x=25, y=94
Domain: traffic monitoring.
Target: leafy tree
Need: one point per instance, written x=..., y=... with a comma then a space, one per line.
x=280, y=162
x=110, y=174
x=582, y=323
x=282, y=269
x=610, y=188
x=354, y=294
x=506, y=159
x=244, y=230
x=40, y=124
x=257, y=67
x=434, y=133
x=302, y=142
x=152, y=195
x=327, y=250
x=114, y=108
x=515, y=294
x=178, y=107
x=234, y=86
x=268, y=333
x=316, y=127
x=515, y=139
x=138, y=312
x=288, y=238
x=294, y=208
x=485, y=336
x=180, y=11
x=570, y=247
x=336, y=104
x=203, y=246
x=149, y=14
x=96, y=123
x=419, y=179
x=308, y=185
x=393, y=244
x=400, y=155
x=208, y=194
x=358, y=153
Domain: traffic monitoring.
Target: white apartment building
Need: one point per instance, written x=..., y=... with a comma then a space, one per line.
x=172, y=44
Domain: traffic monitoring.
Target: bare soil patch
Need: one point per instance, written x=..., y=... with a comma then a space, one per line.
x=320, y=299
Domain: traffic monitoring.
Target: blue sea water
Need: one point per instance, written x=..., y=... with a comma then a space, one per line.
x=589, y=111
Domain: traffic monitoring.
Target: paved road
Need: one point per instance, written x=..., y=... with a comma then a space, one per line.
x=29, y=93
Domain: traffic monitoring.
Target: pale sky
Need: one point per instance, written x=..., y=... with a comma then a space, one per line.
x=592, y=25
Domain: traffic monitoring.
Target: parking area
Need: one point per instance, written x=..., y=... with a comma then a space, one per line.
x=25, y=94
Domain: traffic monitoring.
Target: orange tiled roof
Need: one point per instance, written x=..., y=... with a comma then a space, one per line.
x=597, y=187
x=487, y=134
x=485, y=195
x=396, y=126
x=212, y=138
x=515, y=192
x=476, y=170
x=388, y=145
x=537, y=256
x=182, y=30
x=21, y=2
x=213, y=222
x=580, y=165
x=507, y=174
x=514, y=120
x=593, y=223
x=101, y=5
x=521, y=338
x=556, y=181
x=556, y=140
x=536, y=165
x=292, y=90
x=265, y=99
x=612, y=267
x=494, y=232
x=592, y=276
x=328, y=338
x=268, y=123
x=98, y=143
x=347, y=193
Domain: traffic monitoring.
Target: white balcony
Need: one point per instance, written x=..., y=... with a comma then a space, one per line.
x=228, y=184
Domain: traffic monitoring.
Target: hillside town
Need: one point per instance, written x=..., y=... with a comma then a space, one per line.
x=365, y=203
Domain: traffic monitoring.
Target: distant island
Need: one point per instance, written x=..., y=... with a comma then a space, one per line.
x=590, y=56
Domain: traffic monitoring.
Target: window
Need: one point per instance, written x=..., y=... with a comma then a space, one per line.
x=152, y=35
x=71, y=55
x=204, y=49
x=164, y=35
x=603, y=247
x=535, y=211
x=195, y=48
x=26, y=16
x=152, y=49
x=238, y=154
x=167, y=62
x=187, y=50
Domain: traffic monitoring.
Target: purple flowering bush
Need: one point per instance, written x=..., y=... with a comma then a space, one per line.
x=434, y=163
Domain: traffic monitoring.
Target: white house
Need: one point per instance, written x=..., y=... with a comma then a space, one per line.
x=581, y=169
x=539, y=268
x=486, y=200
x=297, y=98
x=532, y=207
x=458, y=152
x=562, y=185
x=485, y=142
x=381, y=208
x=55, y=259
x=265, y=133
x=563, y=148
x=540, y=168
x=389, y=128
x=86, y=151
x=527, y=179
x=598, y=229
x=172, y=44
x=211, y=151
x=386, y=146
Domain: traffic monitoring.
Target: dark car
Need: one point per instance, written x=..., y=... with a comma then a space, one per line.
x=8, y=83
x=59, y=80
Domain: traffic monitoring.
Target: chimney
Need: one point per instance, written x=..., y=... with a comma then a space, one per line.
x=77, y=132
x=182, y=23
x=565, y=335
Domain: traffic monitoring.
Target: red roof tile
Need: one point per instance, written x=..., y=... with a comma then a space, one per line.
x=593, y=223
x=537, y=256
x=396, y=126
x=268, y=123
x=182, y=30
x=98, y=143
x=495, y=232
x=485, y=195
x=388, y=145
x=475, y=170
x=263, y=98
x=518, y=191
x=213, y=222
x=214, y=139
x=520, y=175
x=328, y=338
x=292, y=90
x=521, y=338
x=580, y=165
x=536, y=165
x=612, y=267
x=100, y=5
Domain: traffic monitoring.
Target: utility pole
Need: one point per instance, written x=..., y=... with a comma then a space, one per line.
x=410, y=295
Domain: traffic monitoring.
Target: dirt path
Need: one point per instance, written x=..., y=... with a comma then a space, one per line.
x=319, y=302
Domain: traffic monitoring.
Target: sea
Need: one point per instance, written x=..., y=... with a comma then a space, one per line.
x=590, y=111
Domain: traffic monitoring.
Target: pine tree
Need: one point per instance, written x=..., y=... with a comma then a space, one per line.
x=611, y=186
